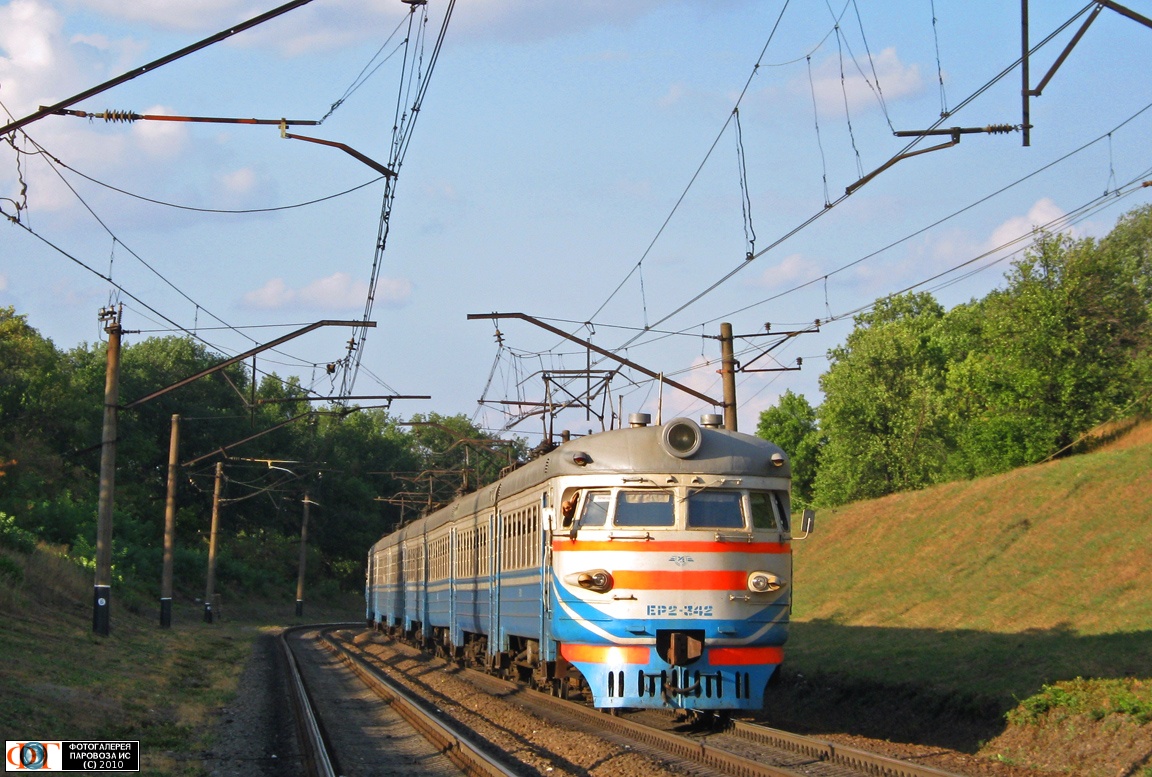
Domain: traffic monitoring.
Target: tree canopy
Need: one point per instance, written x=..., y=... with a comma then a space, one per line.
x=919, y=395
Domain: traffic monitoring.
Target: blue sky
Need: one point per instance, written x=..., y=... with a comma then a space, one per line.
x=552, y=148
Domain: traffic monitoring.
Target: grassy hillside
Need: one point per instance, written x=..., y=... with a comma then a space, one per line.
x=965, y=599
x=163, y=687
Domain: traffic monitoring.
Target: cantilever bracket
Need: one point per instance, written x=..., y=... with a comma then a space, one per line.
x=386, y=172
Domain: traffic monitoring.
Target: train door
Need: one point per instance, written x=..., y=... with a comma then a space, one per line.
x=544, y=543
x=495, y=554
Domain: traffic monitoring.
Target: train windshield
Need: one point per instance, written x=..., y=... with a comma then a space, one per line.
x=767, y=510
x=715, y=510
x=596, y=506
x=644, y=508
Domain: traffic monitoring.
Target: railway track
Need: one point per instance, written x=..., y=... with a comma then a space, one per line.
x=345, y=730
x=742, y=749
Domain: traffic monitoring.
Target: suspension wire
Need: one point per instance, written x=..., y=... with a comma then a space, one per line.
x=50, y=160
x=745, y=198
x=872, y=64
x=177, y=206
x=1089, y=208
x=1084, y=211
x=364, y=74
x=847, y=113
x=401, y=137
x=819, y=141
x=932, y=225
x=700, y=167
x=1111, y=184
x=849, y=192
x=991, y=195
x=944, y=112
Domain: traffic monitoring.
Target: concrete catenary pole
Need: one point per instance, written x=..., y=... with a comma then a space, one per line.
x=728, y=376
x=102, y=590
x=303, y=558
x=170, y=525
x=210, y=592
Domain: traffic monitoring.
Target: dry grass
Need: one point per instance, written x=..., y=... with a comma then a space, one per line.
x=962, y=600
x=163, y=687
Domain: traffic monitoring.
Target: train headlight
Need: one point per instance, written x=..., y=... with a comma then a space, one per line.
x=681, y=437
x=764, y=582
x=598, y=580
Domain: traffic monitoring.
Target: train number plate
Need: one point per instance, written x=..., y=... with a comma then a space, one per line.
x=680, y=610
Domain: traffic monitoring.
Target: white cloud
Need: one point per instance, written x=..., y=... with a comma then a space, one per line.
x=789, y=271
x=160, y=139
x=238, y=182
x=336, y=292
x=1042, y=212
x=896, y=80
x=273, y=294
x=3, y=282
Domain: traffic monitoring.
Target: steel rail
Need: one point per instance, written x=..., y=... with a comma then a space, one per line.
x=458, y=746
x=830, y=752
x=718, y=758
x=700, y=751
x=317, y=759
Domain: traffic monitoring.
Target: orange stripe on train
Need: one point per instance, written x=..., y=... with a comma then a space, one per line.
x=661, y=546
x=606, y=654
x=680, y=580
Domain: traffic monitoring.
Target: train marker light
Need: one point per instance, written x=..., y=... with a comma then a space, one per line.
x=681, y=437
x=764, y=582
x=581, y=459
x=777, y=460
x=598, y=580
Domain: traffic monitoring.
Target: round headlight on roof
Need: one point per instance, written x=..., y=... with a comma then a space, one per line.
x=681, y=437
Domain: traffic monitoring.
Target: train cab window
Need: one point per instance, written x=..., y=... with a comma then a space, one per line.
x=715, y=510
x=644, y=508
x=767, y=511
x=596, y=505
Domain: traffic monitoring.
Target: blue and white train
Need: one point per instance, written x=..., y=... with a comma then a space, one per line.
x=648, y=566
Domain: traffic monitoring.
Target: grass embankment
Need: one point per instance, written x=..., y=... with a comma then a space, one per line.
x=163, y=687
x=928, y=616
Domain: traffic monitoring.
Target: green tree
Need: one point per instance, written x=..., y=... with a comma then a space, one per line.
x=792, y=424
x=38, y=434
x=1057, y=355
x=883, y=412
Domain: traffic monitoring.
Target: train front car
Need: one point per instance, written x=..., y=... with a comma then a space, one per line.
x=671, y=566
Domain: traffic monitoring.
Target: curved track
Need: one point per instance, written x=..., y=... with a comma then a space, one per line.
x=741, y=749
x=345, y=730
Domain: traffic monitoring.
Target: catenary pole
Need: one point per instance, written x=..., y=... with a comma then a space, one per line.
x=728, y=376
x=102, y=590
x=303, y=558
x=210, y=591
x=170, y=524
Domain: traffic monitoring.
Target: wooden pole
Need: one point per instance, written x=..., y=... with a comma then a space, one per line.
x=170, y=525
x=210, y=593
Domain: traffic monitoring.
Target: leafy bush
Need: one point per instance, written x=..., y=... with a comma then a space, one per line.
x=12, y=536
x=1094, y=698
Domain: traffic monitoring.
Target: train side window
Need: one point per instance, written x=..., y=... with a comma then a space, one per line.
x=715, y=510
x=596, y=505
x=644, y=508
x=765, y=510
